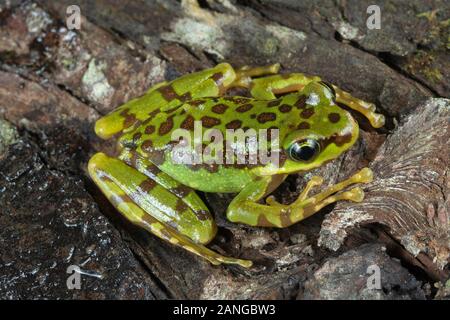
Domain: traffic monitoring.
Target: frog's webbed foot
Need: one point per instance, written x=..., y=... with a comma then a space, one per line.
x=305, y=206
x=157, y=203
x=315, y=181
x=246, y=209
x=365, y=108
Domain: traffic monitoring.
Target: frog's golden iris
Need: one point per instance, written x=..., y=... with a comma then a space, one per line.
x=154, y=192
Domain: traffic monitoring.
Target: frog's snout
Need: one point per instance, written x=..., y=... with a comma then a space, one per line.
x=105, y=128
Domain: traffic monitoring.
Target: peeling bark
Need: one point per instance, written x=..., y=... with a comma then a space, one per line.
x=410, y=192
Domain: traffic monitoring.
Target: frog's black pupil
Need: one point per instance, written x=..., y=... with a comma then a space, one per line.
x=304, y=150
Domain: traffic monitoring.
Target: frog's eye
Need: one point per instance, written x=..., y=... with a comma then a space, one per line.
x=304, y=150
x=329, y=87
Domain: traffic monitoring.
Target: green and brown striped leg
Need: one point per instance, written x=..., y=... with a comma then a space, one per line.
x=245, y=207
x=160, y=205
x=266, y=88
x=166, y=96
x=245, y=74
x=367, y=109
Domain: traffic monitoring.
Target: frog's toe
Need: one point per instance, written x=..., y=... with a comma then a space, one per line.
x=377, y=120
x=271, y=201
x=364, y=176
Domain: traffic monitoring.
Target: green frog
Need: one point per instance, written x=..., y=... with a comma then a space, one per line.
x=153, y=191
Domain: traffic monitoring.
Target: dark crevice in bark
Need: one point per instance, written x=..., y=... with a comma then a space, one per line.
x=122, y=40
x=387, y=59
x=204, y=4
x=79, y=98
x=158, y=282
x=254, y=8
x=182, y=45
x=417, y=267
x=211, y=57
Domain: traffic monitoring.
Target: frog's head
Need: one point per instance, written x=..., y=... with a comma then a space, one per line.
x=324, y=132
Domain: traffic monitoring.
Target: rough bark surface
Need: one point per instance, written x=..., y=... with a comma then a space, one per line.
x=55, y=82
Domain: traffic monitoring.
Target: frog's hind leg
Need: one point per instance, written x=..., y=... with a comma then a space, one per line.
x=170, y=95
x=166, y=96
x=171, y=212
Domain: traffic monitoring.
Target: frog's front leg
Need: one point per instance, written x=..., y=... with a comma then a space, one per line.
x=266, y=88
x=246, y=209
x=160, y=205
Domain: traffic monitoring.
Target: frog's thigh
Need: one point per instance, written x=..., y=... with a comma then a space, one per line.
x=182, y=192
x=118, y=179
x=166, y=96
x=204, y=83
x=146, y=203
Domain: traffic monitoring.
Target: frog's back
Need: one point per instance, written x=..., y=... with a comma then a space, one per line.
x=153, y=138
x=216, y=113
